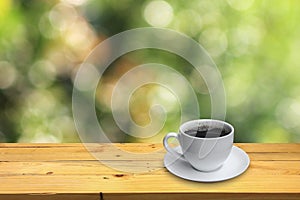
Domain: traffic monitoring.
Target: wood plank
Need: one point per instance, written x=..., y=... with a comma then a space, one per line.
x=58, y=152
x=61, y=169
x=96, y=168
x=79, y=152
x=270, y=147
x=132, y=183
x=50, y=196
x=176, y=196
x=249, y=147
x=206, y=196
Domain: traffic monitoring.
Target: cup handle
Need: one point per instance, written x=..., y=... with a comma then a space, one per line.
x=167, y=147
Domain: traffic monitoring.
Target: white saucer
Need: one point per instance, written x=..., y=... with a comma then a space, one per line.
x=237, y=162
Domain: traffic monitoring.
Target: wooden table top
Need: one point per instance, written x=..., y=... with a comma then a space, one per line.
x=69, y=171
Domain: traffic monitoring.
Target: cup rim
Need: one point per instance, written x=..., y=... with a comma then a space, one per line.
x=206, y=120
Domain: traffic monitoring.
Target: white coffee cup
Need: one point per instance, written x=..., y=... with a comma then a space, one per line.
x=203, y=153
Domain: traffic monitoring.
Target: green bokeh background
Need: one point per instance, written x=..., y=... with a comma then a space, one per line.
x=255, y=45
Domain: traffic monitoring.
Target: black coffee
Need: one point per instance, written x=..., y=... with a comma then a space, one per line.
x=208, y=132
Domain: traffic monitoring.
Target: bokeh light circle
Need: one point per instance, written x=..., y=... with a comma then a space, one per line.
x=91, y=71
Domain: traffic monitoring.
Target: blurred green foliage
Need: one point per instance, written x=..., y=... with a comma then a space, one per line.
x=255, y=45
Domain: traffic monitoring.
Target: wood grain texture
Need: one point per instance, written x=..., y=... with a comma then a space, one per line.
x=69, y=171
